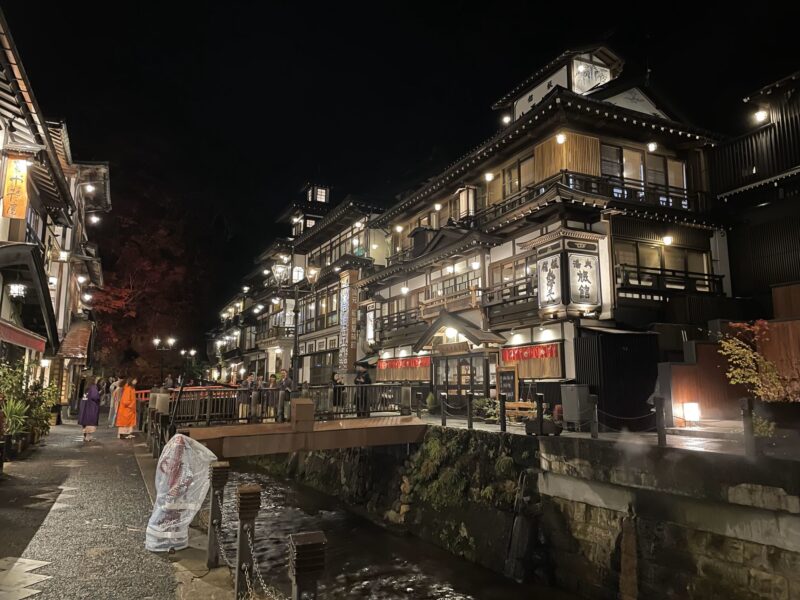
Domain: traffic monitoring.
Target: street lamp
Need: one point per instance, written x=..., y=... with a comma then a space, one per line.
x=170, y=342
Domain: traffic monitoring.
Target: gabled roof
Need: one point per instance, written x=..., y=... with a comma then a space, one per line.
x=469, y=330
x=611, y=58
x=77, y=342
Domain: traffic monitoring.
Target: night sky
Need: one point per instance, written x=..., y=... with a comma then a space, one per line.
x=230, y=107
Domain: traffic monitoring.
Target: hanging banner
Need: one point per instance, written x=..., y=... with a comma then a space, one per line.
x=415, y=368
x=15, y=189
x=541, y=361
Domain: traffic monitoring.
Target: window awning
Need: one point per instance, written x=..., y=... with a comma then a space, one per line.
x=78, y=341
x=19, y=336
x=25, y=262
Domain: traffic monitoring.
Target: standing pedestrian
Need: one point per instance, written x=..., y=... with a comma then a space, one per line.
x=362, y=395
x=89, y=413
x=116, y=392
x=285, y=394
x=126, y=413
x=169, y=383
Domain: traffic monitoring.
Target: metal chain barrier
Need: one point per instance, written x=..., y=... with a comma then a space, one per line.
x=251, y=594
x=270, y=591
x=218, y=530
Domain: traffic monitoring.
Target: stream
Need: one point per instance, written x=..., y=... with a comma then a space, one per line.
x=363, y=559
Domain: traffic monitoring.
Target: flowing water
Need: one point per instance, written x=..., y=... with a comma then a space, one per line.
x=363, y=560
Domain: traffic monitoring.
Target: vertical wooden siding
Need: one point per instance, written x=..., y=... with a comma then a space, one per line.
x=579, y=153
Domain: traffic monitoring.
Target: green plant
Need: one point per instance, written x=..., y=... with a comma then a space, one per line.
x=15, y=415
x=41, y=401
x=432, y=402
x=748, y=367
x=763, y=427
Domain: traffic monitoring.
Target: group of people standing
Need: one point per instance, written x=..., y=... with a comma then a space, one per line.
x=119, y=394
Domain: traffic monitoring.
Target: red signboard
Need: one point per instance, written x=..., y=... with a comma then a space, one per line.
x=530, y=352
x=415, y=362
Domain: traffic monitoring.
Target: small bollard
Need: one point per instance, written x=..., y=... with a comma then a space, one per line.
x=748, y=432
x=443, y=397
x=248, y=502
x=306, y=562
x=593, y=425
x=469, y=410
x=661, y=429
x=502, y=412
x=218, y=472
x=419, y=404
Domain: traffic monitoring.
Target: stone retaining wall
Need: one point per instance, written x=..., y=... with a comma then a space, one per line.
x=602, y=519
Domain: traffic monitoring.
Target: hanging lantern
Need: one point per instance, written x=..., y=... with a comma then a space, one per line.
x=17, y=291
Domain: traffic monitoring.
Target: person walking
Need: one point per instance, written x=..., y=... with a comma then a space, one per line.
x=362, y=395
x=116, y=392
x=89, y=413
x=126, y=413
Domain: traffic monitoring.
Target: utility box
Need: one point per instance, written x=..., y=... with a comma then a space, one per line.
x=575, y=403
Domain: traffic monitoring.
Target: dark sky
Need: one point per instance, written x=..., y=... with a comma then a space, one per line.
x=232, y=106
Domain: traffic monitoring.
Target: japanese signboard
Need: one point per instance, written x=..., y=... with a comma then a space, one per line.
x=537, y=361
x=348, y=317
x=535, y=95
x=415, y=368
x=15, y=189
x=549, y=270
x=584, y=279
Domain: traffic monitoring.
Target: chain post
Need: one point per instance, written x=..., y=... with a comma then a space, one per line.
x=218, y=472
x=248, y=502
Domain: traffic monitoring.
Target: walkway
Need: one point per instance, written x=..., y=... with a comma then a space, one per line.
x=786, y=446
x=81, y=509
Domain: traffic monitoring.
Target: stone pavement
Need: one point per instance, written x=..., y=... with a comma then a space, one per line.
x=82, y=510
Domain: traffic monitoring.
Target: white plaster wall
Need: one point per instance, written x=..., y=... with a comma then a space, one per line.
x=501, y=252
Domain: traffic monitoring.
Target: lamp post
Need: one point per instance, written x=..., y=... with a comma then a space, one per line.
x=165, y=347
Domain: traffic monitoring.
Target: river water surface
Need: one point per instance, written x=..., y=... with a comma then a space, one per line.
x=363, y=560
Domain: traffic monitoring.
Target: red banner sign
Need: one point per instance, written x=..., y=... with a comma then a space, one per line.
x=529, y=352
x=414, y=362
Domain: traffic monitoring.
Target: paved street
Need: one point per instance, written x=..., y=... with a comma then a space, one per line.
x=82, y=509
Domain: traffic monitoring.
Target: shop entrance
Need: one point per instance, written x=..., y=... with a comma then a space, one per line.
x=458, y=375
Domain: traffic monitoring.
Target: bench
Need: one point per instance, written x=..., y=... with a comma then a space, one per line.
x=520, y=411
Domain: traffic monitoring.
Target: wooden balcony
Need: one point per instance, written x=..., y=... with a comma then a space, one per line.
x=266, y=334
x=512, y=302
x=631, y=279
x=452, y=299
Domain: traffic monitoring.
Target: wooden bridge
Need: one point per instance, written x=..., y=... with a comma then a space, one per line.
x=235, y=423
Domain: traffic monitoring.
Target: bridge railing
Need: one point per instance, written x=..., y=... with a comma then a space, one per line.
x=346, y=401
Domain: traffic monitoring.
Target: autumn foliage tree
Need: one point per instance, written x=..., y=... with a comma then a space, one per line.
x=151, y=282
x=749, y=367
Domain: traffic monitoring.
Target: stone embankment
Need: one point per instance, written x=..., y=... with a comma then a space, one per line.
x=602, y=519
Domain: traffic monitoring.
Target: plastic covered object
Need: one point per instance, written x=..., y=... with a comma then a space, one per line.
x=182, y=482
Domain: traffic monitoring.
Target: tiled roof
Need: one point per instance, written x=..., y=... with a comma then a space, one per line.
x=76, y=342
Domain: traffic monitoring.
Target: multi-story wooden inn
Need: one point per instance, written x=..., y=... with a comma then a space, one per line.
x=301, y=299
x=556, y=248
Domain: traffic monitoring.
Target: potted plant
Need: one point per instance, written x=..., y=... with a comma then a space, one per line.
x=15, y=416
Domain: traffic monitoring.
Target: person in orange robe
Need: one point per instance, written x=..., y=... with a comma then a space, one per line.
x=126, y=413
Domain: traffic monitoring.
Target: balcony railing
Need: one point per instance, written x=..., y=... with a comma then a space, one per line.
x=398, y=320
x=625, y=190
x=631, y=277
x=514, y=291
x=274, y=332
x=459, y=296
x=400, y=257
